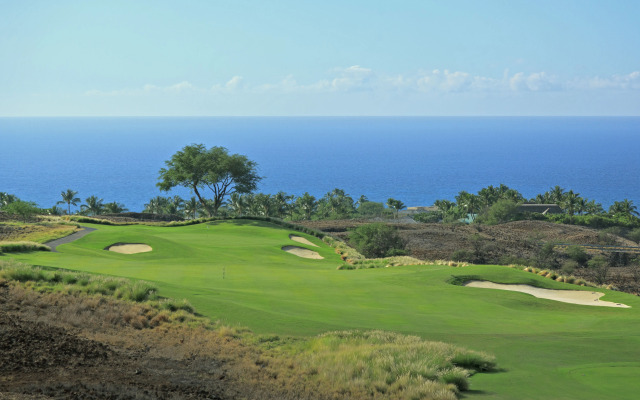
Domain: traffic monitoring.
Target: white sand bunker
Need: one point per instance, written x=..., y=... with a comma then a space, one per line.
x=585, y=298
x=302, y=252
x=129, y=248
x=302, y=240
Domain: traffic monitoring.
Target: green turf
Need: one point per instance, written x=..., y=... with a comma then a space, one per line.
x=548, y=350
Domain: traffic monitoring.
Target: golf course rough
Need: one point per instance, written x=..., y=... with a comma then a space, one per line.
x=236, y=272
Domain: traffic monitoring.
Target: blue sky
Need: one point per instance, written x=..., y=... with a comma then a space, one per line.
x=110, y=58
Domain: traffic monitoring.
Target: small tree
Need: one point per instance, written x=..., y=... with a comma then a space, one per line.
x=376, y=240
x=501, y=211
x=600, y=269
x=635, y=235
x=24, y=209
x=577, y=254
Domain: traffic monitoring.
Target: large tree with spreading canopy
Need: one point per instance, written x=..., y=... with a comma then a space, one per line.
x=198, y=168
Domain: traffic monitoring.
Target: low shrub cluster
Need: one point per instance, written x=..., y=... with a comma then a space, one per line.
x=19, y=247
x=395, y=365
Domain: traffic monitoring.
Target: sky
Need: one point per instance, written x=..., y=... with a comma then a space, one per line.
x=298, y=58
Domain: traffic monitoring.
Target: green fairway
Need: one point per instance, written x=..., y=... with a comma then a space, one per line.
x=236, y=272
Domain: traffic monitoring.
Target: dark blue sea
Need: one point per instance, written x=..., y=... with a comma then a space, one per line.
x=417, y=160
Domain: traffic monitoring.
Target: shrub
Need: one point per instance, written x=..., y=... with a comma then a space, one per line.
x=462, y=255
x=500, y=212
x=375, y=240
x=428, y=217
x=577, y=254
x=569, y=266
x=456, y=376
x=21, y=247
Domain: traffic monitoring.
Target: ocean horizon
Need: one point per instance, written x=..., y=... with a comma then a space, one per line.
x=414, y=159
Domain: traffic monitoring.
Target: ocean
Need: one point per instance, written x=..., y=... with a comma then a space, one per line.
x=414, y=159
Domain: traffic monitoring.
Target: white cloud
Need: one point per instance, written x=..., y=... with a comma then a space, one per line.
x=628, y=81
x=436, y=81
x=535, y=82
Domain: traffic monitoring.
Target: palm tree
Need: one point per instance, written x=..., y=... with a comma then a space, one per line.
x=362, y=199
x=115, y=208
x=396, y=205
x=192, y=206
x=593, y=208
x=556, y=194
x=69, y=197
x=570, y=202
x=237, y=203
x=624, y=207
x=307, y=204
x=93, y=205
x=282, y=204
x=156, y=205
x=264, y=204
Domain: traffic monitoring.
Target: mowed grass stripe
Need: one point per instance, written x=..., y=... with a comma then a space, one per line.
x=537, y=341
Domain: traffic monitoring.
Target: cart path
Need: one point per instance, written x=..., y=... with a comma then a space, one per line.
x=68, y=239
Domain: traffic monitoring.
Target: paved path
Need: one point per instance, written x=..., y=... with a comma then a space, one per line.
x=68, y=239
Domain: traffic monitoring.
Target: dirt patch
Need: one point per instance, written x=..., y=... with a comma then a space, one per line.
x=302, y=252
x=585, y=298
x=129, y=248
x=302, y=240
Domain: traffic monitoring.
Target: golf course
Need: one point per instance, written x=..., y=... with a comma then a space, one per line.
x=238, y=272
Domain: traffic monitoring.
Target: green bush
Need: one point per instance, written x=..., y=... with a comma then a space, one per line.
x=21, y=247
x=376, y=240
x=500, y=212
x=462, y=255
x=577, y=254
x=428, y=217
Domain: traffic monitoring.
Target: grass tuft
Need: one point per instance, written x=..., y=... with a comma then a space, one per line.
x=21, y=247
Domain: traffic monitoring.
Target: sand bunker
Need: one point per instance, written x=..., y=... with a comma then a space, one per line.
x=302, y=252
x=129, y=248
x=302, y=240
x=585, y=298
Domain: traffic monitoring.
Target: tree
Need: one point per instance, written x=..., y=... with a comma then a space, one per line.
x=361, y=200
x=307, y=205
x=156, y=205
x=25, y=209
x=570, y=202
x=191, y=207
x=264, y=204
x=336, y=204
x=373, y=209
x=635, y=235
x=376, y=240
x=577, y=254
x=501, y=211
x=198, y=168
x=6, y=199
x=395, y=205
x=556, y=194
x=93, y=206
x=69, y=197
x=623, y=208
x=237, y=203
x=114, y=208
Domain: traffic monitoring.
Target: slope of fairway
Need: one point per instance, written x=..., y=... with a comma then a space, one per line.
x=237, y=272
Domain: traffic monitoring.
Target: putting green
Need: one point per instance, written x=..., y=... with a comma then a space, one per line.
x=237, y=272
